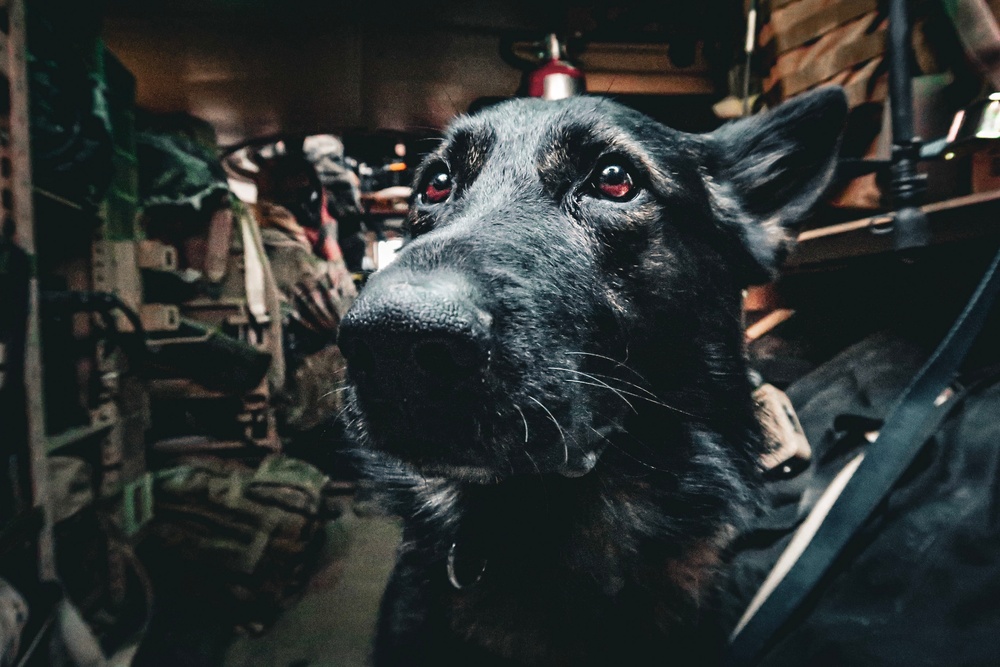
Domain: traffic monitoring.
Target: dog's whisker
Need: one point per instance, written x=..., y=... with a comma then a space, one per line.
x=510, y=463
x=524, y=419
x=655, y=401
x=635, y=386
x=594, y=354
x=454, y=107
x=534, y=464
x=339, y=390
x=606, y=96
x=598, y=377
x=672, y=408
x=636, y=441
x=604, y=385
x=627, y=383
x=538, y=471
x=617, y=362
x=595, y=379
x=556, y=422
x=429, y=140
x=626, y=453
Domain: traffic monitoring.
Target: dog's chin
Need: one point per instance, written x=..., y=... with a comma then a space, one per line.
x=414, y=455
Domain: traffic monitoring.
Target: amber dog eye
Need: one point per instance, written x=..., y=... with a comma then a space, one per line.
x=438, y=188
x=614, y=182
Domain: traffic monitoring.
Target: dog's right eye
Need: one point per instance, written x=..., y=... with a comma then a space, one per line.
x=613, y=181
x=438, y=187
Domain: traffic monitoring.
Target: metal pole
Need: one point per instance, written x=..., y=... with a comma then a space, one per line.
x=907, y=190
x=749, y=43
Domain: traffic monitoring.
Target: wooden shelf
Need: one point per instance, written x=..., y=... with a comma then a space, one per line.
x=101, y=419
x=961, y=218
x=74, y=435
x=194, y=444
x=181, y=388
x=57, y=199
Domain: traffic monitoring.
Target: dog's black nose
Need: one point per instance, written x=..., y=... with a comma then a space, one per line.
x=402, y=339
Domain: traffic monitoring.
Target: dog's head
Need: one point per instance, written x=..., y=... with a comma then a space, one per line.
x=572, y=291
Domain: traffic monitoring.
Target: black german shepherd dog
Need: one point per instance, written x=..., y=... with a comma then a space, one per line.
x=551, y=374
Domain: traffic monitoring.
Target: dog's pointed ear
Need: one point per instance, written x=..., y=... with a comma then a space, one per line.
x=768, y=171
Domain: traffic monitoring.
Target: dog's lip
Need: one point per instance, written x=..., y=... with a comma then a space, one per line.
x=581, y=457
x=581, y=460
x=580, y=466
x=581, y=463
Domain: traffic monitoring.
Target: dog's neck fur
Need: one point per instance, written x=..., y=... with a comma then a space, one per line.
x=600, y=537
x=608, y=527
x=593, y=527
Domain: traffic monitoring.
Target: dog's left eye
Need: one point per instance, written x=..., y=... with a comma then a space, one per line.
x=438, y=187
x=614, y=182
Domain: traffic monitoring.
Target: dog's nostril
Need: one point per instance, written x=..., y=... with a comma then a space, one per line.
x=433, y=356
x=360, y=357
x=447, y=360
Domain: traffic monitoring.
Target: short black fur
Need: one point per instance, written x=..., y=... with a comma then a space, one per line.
x=593, y=458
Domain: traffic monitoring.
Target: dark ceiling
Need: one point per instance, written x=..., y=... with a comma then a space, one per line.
x=260, y=67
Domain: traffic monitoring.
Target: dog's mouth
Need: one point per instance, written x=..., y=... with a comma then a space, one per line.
x=577, y=465
x=573, y=466
x=477, y=446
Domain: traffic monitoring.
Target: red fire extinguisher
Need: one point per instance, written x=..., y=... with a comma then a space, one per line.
x=556, y=78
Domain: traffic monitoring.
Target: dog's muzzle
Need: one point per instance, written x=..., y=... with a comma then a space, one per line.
x=417, y=351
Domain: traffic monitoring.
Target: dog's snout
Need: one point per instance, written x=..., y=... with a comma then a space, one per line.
x=450, y=356
x=401, y=339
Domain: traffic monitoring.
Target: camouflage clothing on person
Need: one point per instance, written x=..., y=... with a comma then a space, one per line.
x=316, y=292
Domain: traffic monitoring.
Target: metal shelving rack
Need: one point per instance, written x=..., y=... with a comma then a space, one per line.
x=109, y=430
x=18, y=183
x=27, y=553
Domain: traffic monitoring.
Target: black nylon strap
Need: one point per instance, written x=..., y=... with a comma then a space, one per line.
x=909, y=424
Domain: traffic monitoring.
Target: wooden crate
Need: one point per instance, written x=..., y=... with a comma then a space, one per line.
x=840, y=53
x=795, y=23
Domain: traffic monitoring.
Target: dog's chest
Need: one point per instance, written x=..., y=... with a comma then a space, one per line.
x=557, y=616
x=572, y=579
x=530, y=624
x=546, y=591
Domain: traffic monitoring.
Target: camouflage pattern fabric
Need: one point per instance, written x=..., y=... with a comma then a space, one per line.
x=257, y=532
x=315, y=295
